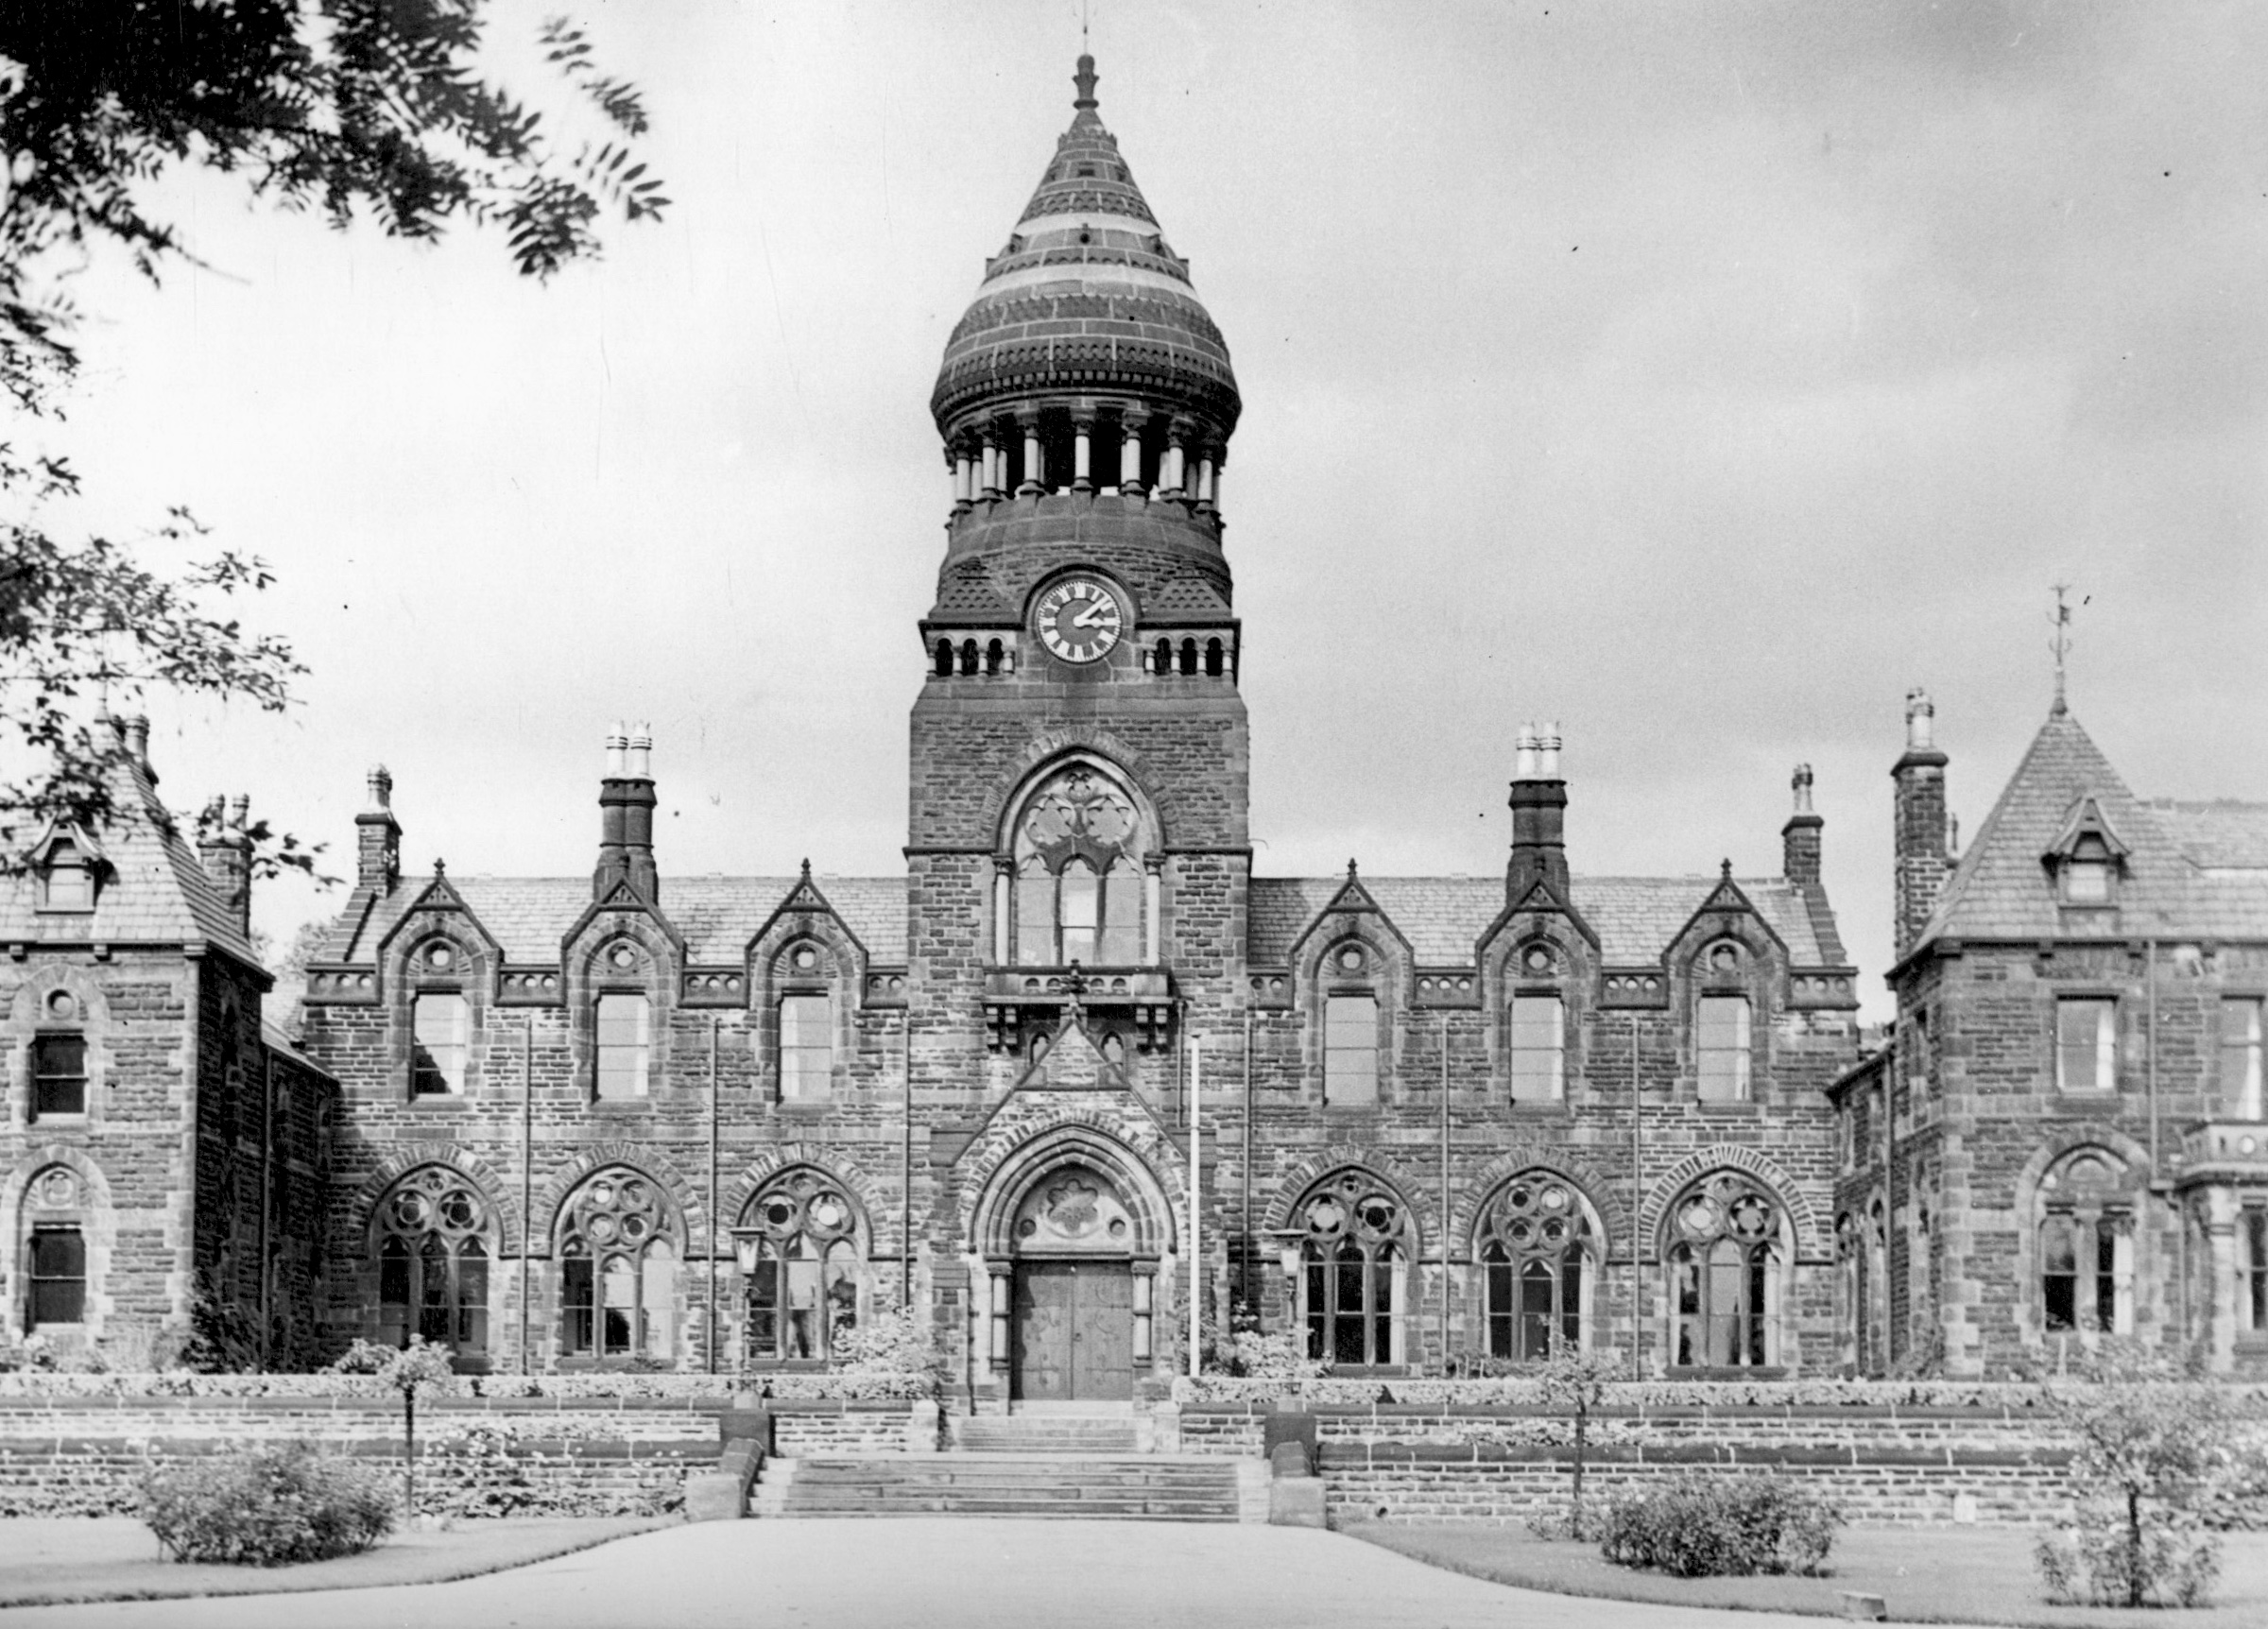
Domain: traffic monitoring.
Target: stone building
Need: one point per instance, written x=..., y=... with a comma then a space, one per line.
x=2073, y=1142
x=165, y=1153
x=718, y=1120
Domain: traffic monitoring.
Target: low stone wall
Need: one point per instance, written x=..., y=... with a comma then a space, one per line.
x=824, y=1428
x=1998, y=1461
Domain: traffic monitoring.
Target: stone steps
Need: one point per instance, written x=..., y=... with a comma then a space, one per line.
x=1148, y=1487
x=1087, y=1435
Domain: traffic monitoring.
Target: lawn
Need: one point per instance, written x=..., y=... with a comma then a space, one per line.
x=1924, y=1574
x=116, y=1559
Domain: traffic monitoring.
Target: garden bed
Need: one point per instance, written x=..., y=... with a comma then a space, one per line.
x=1925, y=1574
x=53, y=1560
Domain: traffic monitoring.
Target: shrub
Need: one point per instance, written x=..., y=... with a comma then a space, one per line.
x=898, y=1352
x=268, y=1506
x=2146, y=1441
x=1698, y=1525
x=1249, y=1352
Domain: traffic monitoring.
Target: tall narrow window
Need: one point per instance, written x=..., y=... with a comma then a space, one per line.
x=2086, y=1236
x=1082, y=910
x=2086, y=1050
x=1035, y=914
x=2252, y=1271
x=1722, y=1049
x=58, y=1277
x=1539, y=1049
x=433, y=1266
x=1122, y=915
x=1350, y=1049
x=806, y=1047
x=624, y=1045
x=59, y=1075
x=2241, y=1094
x=439, y=1023
x=1351, y=1262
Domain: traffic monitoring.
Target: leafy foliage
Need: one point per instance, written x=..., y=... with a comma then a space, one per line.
x=1700, y=1525
x=266, y=1506
x=2147, y=1444
x=410, y=1370
x=343, y=107
x=1577, y=1381
x=897, y=1351
x=486, y=1470
x=1246, y=1351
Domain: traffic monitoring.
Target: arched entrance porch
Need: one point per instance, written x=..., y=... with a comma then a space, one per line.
x=1074, y=1232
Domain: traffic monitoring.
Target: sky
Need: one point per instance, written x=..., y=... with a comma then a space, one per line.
x=1699, y=377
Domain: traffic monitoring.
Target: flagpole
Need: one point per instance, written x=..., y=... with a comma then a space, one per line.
x=1197, y=1186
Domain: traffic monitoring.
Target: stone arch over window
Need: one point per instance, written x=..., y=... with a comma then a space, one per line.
x=2081, y=1250
x=1356, y=1251
x=1077, y=841
x=1727, y=1250
x=433, y=1239
x=61, y=1232
x=1537, y=1245
x=498, y=1192
x=1812, y=1239
x=59, y=1019
x=802, y=1244
x=1727, y=978
x=1018, y=1174
x=1352, y=972
x=1158, y=794
x=620, y=1240
x=805, y=971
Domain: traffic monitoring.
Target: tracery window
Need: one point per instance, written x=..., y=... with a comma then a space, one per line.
x=1078, y=874
x=2086, y=1245
x=1352, y=1261
x=1724, y=1261
x=618, y=1269
x=802, y=1286
x=1536, y=1249
x=433, y=1262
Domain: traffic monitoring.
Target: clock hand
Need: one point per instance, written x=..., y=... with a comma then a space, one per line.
x=1092, y=614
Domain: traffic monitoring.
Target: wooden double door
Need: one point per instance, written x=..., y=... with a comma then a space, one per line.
x=1074, y=1331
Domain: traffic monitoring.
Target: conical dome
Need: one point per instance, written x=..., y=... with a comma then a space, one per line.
x=1086, y=301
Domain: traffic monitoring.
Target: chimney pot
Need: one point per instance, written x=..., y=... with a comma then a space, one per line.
x=381, y=783
x=1802, y=783
x=1547, y=746
x=1920, y=719
x=1523, y=753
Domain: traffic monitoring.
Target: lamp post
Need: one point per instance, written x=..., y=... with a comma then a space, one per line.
x=1196, y=1188
x=747, y=1247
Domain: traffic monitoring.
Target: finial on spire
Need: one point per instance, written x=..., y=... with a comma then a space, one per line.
x=2061, y=644
x=440, y=868
x=807, y=870
x=1350, y=871
x=1085, y=80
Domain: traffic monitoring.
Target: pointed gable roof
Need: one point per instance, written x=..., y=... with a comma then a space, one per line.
x=1073, y=1063
x=2002, y=889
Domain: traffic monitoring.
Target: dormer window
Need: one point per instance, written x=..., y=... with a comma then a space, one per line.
x=67, y=879
x=2084, y=861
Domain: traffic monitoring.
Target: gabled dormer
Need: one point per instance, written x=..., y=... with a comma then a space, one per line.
x=69, y=869
x=2086, y=859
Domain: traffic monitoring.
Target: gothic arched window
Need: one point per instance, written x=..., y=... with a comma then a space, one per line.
x=430, y=1235
x=54, y=1249
x=1724, y=1258
x=1078, y=846
x=1352, y=1258
x=618, y=1269
x=2087, y=1207
x=1535, y=1252
x=800, y=1242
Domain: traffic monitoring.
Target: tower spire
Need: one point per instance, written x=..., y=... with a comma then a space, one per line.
x=2060, y=646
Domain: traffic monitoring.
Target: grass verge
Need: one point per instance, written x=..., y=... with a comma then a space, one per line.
x=1924, y=1574
x=48, y=1561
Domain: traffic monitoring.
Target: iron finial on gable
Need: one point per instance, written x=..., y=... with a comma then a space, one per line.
x=1725, y=871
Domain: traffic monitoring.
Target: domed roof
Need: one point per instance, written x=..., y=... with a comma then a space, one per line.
x=1086, y=299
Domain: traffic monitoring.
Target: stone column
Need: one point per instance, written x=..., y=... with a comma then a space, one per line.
x=1145, y=1285
x=1082, y=432
x=1002, y=1303
x=1205, y=479
x=1170, y=477
x=1030, y=485
x=964, y=479
x=2221, y=1275
x=1129, y=457
x=993, y=475
x=1153, y=895
x=1002, y=866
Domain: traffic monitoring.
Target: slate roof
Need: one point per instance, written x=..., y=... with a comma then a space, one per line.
x=717, y=916
x=2196, y=869
x=158, y=892
x=1443, y=917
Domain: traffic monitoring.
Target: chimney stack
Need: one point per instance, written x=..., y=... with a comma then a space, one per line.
x=378, y=837
x=1538, y=814
x=1918, y=863
x=626, y=814
x=225, y=848
x=1799, y=838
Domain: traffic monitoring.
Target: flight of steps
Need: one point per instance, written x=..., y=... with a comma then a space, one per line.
x=1084, y=1467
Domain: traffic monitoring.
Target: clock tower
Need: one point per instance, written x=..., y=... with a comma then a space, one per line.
x=1076, y=839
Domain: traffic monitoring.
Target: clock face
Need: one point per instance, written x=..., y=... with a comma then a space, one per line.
x=1080, y=620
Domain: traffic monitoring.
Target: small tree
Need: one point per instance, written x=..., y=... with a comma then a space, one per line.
x=2145, y=1437
x=408, y=1370
x=1576, y=1381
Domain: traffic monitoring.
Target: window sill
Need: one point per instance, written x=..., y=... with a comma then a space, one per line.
x=622, y=1105
x=446, y=1102
x=60, y=1121
x=1743, y=1110
x=804, y=1108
